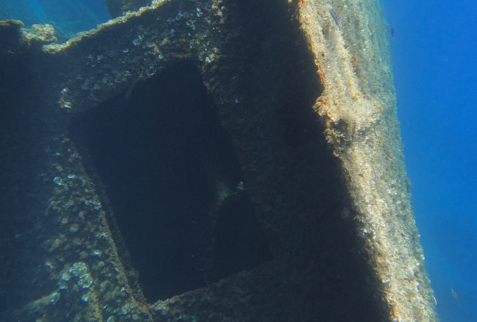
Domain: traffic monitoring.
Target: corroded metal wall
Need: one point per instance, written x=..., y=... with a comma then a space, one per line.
x=306, y=95
x=359, y=113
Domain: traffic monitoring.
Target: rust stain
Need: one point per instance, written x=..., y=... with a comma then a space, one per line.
x=322, y=79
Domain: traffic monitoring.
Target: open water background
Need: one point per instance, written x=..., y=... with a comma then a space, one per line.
x=434, y=56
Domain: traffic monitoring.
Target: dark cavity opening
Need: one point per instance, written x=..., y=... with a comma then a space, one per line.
x=173, y=180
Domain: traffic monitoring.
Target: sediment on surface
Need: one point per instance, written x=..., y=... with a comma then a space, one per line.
x=360, y=119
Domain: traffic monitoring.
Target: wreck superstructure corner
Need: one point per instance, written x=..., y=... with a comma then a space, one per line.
x=298, y=193
x=358, y=111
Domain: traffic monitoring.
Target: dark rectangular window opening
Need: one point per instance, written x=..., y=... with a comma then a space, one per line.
x=174, y=182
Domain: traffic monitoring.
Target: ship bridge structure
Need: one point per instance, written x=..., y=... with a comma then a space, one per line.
x=207, y=160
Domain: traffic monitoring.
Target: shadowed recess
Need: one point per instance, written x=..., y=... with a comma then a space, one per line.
x=174, y=183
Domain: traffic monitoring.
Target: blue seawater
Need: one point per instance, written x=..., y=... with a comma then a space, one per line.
x=37, y=10
x=434, y=56
x=67, y=16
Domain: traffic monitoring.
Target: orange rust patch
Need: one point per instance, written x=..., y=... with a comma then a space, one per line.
x=354, y=63
x=322, y=79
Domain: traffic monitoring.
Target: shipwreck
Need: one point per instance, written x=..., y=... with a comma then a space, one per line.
x=207, y=160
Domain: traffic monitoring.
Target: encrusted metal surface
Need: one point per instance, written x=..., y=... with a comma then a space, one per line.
x=304, y=88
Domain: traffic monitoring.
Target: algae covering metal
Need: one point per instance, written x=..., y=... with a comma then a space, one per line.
x=304, y=89
x=358, y=108
x=118, y=7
